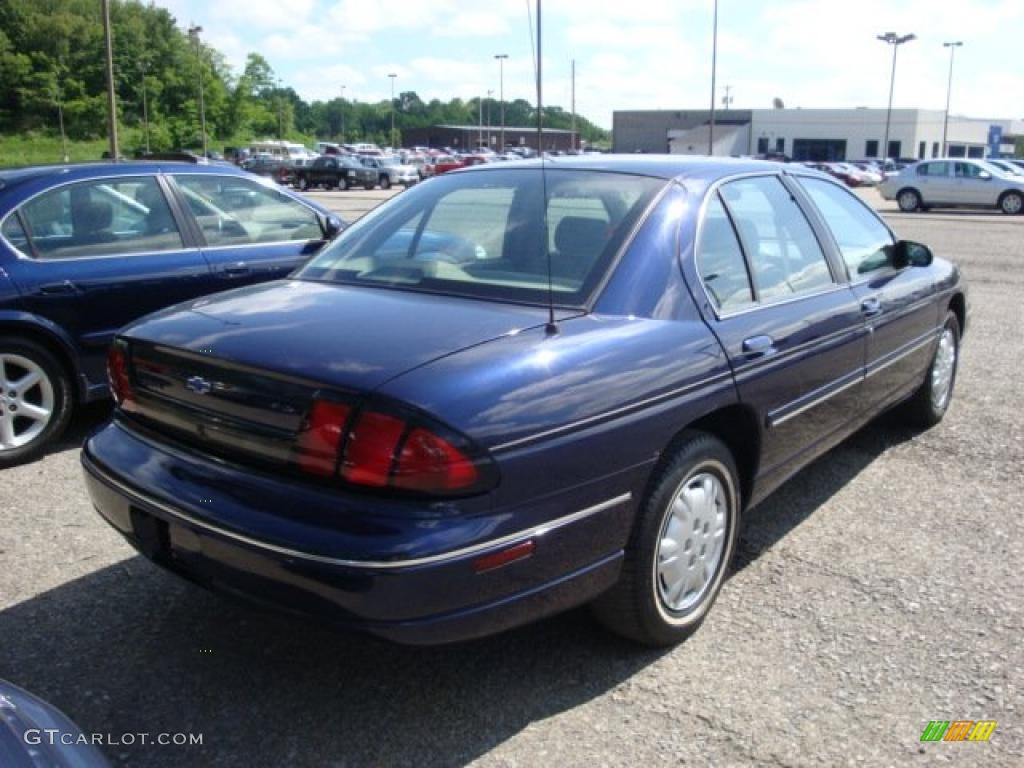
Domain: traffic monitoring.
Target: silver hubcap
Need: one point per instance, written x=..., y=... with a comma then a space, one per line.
x=691, y=542
x=908, y=201
x=26, y=401
x=1012, y=203
x=942, y=369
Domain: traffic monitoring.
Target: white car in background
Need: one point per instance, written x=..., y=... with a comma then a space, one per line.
x=949, y=182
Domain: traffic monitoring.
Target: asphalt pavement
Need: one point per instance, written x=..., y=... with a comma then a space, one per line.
x=878, y=590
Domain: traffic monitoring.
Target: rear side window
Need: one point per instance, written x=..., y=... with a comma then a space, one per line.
x=232, y=210
x=14, y=234
x=862, y=239
x=933, y=169
x=784, y=255
x=720, y=260
x=106, y=217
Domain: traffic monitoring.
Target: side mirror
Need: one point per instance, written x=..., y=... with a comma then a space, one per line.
x=984, y=175
x=907, y=253
x=330, y=225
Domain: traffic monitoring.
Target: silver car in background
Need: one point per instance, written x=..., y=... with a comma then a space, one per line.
x=956, y=182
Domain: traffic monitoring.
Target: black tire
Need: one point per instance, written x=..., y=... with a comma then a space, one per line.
x=385, y=182
x=923, y=409
x=909, y=200
x=54, y=377
x=636, y=606
x=1011, y=203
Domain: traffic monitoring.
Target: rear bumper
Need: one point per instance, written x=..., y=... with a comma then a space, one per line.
x=426, y=597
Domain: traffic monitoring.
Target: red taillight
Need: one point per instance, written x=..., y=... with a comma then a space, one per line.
x=318, y=445
x=117, y=375
x=390, y=450
x=429, y=462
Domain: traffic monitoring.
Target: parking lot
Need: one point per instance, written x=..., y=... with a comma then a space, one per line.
x=878, y=590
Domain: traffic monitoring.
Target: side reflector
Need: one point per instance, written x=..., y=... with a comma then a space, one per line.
x=503, y=557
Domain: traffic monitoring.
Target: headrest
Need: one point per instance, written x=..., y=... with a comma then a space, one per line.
x=579, y=234
x=91, y=217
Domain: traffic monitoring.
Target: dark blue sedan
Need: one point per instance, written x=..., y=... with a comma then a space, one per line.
x=515, y=390
x=86, y=249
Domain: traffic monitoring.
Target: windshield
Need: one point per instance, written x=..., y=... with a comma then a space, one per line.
x=487, y=235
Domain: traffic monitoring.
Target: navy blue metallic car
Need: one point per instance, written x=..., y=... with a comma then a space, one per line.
x=86, y=249
x=513, y=390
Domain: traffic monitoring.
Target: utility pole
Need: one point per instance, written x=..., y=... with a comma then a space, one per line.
x=949, y=90
x=501, y=96
x=572, y=99
x=490, y=94
x=393, y=76
x=714, y=64
x=479, y=122
x=280, y=112
x=111, y=98
x=193, y=32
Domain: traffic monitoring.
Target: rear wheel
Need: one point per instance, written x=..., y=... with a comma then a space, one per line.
x=1011, y=203
x=908, y=200
x=385, y=182
x=35, y=399
x=929, y=403
x=342, y=183
x=684, y=537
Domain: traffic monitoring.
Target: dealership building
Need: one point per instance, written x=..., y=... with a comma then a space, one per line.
x=811, y=134
x=466, y=137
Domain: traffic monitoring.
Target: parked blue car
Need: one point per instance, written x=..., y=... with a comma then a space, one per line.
x=86, y=249
x=433, y=442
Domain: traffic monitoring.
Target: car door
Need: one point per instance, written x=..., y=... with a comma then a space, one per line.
x=898, y=304
x=792, y=329
x=250, y=231
x=974, y=185
x=100, y=253
x=936, y=182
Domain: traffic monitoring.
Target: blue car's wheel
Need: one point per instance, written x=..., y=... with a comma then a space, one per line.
x=35, y=399
x=683, y=540
x=929, y=403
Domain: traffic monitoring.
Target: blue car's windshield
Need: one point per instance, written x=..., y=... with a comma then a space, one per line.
x=488, y=234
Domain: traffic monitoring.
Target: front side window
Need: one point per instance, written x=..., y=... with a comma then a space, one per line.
x=967, y=171
x=232, y=210
x=720, y=260
x=784, y=255
x=863, y=240
x=102, y=218
x=490, y=234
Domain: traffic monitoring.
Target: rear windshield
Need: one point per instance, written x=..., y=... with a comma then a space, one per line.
x=488, y=235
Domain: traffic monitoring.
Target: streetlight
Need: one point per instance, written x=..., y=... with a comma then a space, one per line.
x=280, y=111
x=490, y=98
x=501, y=96
x=145, y=107
x=193, y=32
x=393, y=76
x=714, y=68
x=949, y=89
x=342, y=107
x=891, y=38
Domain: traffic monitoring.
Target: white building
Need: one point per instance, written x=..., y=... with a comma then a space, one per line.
x=810, y=134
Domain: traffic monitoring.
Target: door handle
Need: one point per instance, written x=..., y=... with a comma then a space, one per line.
x=871, y=306
x=758, y=346
x=54, y=289
x=237, y=270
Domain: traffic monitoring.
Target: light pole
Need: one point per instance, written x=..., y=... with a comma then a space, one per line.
x=714, y=68
x=111, y=98
x=891, y=38
x=490, y=94
x=572, y=101
x=145, y=106
x=193, y=32
x=501, y=97
x=342, y=107
x=479, y=123
x=949, y=90
x=280, y=111
x=393, y=76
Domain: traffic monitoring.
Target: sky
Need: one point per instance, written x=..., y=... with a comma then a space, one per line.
x=644, y=54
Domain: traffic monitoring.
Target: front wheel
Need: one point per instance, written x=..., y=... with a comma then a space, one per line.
x=342, y=183
x=35, y=399
x=385, y=182
x=1011, y=203
x=683, y=539
x=908, y=200
x=929, y=403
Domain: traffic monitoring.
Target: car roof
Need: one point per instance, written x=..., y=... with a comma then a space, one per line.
x=11, y=177
x=707, y=169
